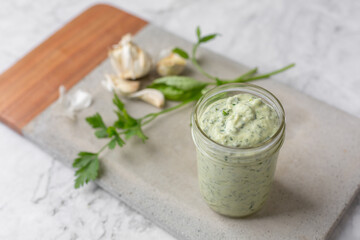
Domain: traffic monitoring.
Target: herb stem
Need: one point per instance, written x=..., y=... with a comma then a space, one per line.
x=245, y=75
x=102, y=149
x=197, y=65
x=267, y=75
x=152, y=116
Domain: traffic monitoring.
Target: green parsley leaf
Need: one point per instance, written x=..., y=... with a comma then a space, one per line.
x=124, y=119
x=96, y=121
x=136, y=131
x=118, y=103
x=84, y=159
x=111, y=131
x=101, y=133
x=88, y=168
x=120, y=141
x=112, y=143
x=181, y=53
x=120, y=123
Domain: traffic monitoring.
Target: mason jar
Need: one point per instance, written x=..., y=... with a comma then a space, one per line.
x=235, y=181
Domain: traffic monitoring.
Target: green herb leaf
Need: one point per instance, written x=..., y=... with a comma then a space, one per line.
x=88, y=168
x=208, y=38
x=174, y=94
x=96, y=121
x=119, y=141
x=118, y=103
x=181, y=53
x=135, y=131
x=83, y=159
x=180, y=82
x=101, y=133
x=119, y=123
x=111, y=131
x=124, y=119
x=112, y=144
x=198, y=32
x=170, y=93
x=178, y=88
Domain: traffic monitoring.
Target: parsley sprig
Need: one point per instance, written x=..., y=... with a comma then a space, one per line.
x=246, y=77
x=176, y=88
x=124, y=128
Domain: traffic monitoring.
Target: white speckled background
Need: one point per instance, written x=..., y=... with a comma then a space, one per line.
x=37, y=200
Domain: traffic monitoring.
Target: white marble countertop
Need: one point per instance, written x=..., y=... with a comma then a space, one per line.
x=37, y=199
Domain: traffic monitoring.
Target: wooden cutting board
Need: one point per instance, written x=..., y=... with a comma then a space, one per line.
x=317, y=173
x=32, y=84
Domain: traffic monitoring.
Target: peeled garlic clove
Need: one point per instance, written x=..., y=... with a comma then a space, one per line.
x=129, y=60
x=119, y=85
x=173, y=64
x=152, y=96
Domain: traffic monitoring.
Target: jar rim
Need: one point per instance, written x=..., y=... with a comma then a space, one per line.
x=234, y=87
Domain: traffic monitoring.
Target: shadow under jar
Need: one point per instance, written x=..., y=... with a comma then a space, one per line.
x=235, y=181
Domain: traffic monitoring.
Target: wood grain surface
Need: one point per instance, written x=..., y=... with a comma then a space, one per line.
x=31, y=84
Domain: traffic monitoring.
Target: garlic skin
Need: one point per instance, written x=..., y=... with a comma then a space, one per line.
x=152, y=96
x=170, y=65
x=74, y=103
x=119, y=85
x=129, y=60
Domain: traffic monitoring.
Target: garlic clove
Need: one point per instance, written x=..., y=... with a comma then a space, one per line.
x=152, y=96
x=129, y=60
x=80, y=100
x=119, y=85
x=173, y=64
x=107, y=83
x=75, y=102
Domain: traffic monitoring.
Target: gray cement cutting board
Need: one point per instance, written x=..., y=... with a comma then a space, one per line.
x=316, y=177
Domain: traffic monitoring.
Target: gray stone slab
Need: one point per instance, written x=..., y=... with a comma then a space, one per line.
x=316, y=177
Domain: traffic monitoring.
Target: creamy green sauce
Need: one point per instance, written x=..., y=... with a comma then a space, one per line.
x=240, y=121
x=231, y=187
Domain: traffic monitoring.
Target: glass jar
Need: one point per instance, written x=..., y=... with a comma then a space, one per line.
x=234, y=181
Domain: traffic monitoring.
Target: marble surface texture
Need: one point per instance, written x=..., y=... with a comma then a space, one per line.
x=37, y=200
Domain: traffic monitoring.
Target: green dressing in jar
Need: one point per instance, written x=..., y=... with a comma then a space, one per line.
x=238, y=130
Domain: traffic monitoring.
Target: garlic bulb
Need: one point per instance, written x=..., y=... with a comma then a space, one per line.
x=129, y=60
x=152, y=96
x=173, y=64
x=119, y=85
